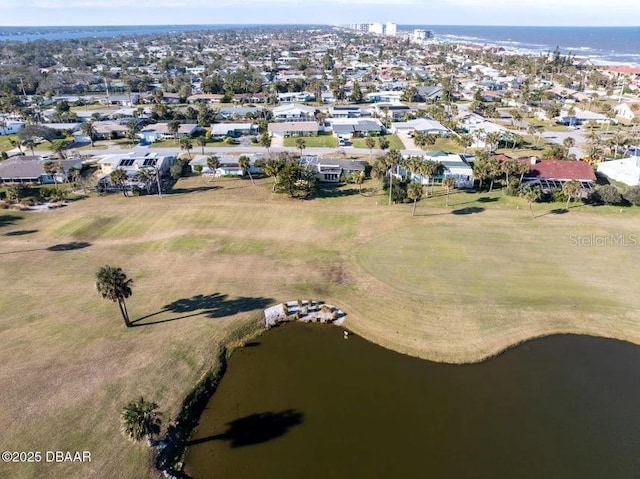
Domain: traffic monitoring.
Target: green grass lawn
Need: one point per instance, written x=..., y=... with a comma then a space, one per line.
x=454, y=283
x=394, y=142
x=323, y=140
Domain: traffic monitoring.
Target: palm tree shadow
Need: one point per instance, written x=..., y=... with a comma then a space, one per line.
x=555, y=211
x=73, y=245
x=214, y=305
x=20, y=232
x=467, y=211
x=256, y=428
x=7, y=220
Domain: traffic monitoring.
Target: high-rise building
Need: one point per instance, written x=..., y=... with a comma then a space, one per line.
x=421, y=35
x=376, y=28
x=391, y=29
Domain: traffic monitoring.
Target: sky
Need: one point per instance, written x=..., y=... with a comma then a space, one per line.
x=413, y=12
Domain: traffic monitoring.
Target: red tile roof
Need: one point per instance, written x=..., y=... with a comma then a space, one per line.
x=561, y=170
x=625, y=70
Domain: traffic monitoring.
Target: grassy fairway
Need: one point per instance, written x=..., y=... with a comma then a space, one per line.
x=451, y=284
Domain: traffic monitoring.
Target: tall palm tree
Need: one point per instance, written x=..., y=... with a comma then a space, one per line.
x=358, y=178
x=141, y=419
x=569, y=142
x=371, y=143
x=530, y=194
x=185, y=144
x=173, y=126
x=202, y=142
x=119, y=178
x=572, y=189
x=51, y=168
x=112, y=284
x=88, y=129
x=301, y=144
x=245, y=164
x=448, y=184
x=383, y=143
x=213, y=163
x=415, y=191
x=265, y=141
x=132, y=130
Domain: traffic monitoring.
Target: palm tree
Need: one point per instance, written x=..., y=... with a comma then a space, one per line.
x=147, y=176
x=51, y=168
x=569, y=142
x=58, y=147
x=202, y=142
x=132, y=130
x=572, y=189
x=371, y=143
x=185, y=144
x=119, y=178
x=530, y=194
x=383, y=143
x=140, y=419
x=391, y=159
x=301, y=144
x=414, y=192
x=448, y=184
x=522, y=169
x=173, y=126
x=31, y=144
x=358, y=178
x=112, y=284
x=245, y=164
x=89, y=130
x=265, y=141
x=213, y=163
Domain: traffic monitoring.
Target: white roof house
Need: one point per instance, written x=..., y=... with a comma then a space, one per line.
x=423, y=125
x=230, y=129
x=131, y=162
x=228, y=165
x=626, y=171
x=293, y=112
x=455, y=166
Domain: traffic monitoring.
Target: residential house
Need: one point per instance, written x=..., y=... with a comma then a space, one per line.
x=626, y=170
x=131, y=163
x=107, y=130
x=347, y=128
x=428, y=93
x=233, y=130
x=160, y=131
x=552, y=174
x=422, y=125
x=10, y=127
x=238, y=112
x=395, y=111
x=332, y=170
x=294, y=128
x=345, y=111
x=455, y=166
x=229, y=165
x=294, y=112
x=627, y=111
x=30, y=169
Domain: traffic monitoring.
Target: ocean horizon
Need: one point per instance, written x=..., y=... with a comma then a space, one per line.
x=601, y=45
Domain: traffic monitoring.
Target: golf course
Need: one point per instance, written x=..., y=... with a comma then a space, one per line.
x=452, y=284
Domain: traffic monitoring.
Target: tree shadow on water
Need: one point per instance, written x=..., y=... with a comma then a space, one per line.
x=256, y=428
x=214, y=305
x=467, y=211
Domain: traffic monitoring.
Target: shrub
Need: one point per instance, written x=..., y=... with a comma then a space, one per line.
x=632, y=195
x=135, y=191
x=608, y=194
x=197, y=168
x=513, y=188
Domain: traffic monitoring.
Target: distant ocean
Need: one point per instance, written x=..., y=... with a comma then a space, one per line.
x=603, y=45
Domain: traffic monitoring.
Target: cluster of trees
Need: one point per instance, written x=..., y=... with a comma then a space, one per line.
x=489, y=168
x=291, y=177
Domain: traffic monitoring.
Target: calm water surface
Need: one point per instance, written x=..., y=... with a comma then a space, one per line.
x=303, y=402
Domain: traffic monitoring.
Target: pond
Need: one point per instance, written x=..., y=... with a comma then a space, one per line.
x=303, y=402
